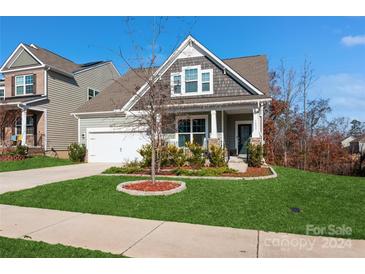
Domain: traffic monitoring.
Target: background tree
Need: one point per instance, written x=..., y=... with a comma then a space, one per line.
x=7, y=120
x=306, y=82
x=357, y=128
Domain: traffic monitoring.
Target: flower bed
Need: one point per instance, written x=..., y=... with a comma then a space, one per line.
x=9, y=157
x=189, y=171
x=148, y=188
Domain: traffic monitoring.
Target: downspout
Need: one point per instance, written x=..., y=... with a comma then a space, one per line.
x=78, y=127
x=24, y=136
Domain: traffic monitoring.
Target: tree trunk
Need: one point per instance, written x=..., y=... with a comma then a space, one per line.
x=153, y=157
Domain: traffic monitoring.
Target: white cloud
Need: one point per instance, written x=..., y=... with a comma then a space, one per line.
x=346, y=93
x=353, y=40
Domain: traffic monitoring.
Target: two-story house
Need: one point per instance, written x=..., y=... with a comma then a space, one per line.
x=210, y=101
x=42, y=89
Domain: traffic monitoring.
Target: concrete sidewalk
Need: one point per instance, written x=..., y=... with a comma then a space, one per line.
x=147, y=238
x=23, y=179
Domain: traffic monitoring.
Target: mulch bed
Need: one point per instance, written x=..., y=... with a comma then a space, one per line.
x=150, y=186
x=251, y=172
x=8, y=158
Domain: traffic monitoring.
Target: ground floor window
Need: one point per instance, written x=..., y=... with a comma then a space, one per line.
x=192, y=130
x=30, y=125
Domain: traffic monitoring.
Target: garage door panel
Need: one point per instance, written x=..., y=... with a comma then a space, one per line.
x=115, y=147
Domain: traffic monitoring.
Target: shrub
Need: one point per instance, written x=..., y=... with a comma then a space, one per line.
x=254, y=155
x=176, y=156
x=77, y=152
x=146, y=153
x=196, y=158
x=208, y=171
x=21, y=150
x=216, y=156
x=123, y=170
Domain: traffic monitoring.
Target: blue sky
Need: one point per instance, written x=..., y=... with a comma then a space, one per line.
x=335, y=45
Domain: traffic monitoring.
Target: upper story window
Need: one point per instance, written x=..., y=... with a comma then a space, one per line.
x=2, y=93
x=192, y=81
x=91, y=93
x=24, y=84
x=176, y=83
x=205, y=81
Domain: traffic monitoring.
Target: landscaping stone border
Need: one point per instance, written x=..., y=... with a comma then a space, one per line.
x=273, y=175
x=151, y=193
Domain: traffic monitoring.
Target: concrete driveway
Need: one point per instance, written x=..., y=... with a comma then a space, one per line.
x=23, y=179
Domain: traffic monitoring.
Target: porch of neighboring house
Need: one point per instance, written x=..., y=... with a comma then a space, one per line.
x=24, y=127
x=231, y=127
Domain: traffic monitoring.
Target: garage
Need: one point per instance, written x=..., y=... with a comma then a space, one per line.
x=114, y=146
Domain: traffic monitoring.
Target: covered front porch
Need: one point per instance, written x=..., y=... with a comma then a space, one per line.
x=232, y=127
x=22, y=126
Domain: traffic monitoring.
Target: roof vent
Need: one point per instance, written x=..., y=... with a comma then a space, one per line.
x=33, y=46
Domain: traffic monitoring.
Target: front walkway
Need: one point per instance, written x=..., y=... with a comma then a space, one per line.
x=23, y=179
x=147, y=238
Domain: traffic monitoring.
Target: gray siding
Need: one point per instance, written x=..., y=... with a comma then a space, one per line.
x=102, y=122
x=231, y=119
x=222, y=83
x=24, y=59
x=65, y=96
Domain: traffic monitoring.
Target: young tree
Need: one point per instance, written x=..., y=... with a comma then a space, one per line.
x=154, y=94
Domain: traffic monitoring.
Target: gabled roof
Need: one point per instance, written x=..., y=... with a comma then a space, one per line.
x=359, y=139
x=53, y=60
x=164, y=67
x=116, y=95
x=252, y=68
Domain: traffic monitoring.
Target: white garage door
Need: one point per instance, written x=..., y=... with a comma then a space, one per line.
x=114, y=147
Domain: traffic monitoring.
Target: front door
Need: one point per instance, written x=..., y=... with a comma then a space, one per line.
x=244, y=134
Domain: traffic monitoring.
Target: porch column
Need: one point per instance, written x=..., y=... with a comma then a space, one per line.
x=256, y=124
x=24, y=127
x=213, y=121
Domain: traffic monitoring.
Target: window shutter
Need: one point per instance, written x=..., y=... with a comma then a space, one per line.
x=12, y=85
x=34, y=83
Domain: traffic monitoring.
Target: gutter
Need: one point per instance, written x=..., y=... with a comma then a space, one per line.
x=221, y=103
x=116, y=111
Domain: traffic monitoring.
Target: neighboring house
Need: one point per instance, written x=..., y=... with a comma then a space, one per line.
x=357, y=145
x=43, y=89
x=346, y=142
x=217, y=101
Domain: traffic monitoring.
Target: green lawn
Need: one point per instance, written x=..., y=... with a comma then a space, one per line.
x=33, y=162
x=263, y=204
x=17, y=248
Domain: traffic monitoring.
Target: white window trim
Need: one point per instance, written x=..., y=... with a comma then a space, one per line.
x=24, y=85
x=16, y=125
x=182, y=74
x=87, y=93
x=191, y=118
x=173, y=83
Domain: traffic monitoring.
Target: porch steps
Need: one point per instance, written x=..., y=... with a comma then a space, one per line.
x=237, y=163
